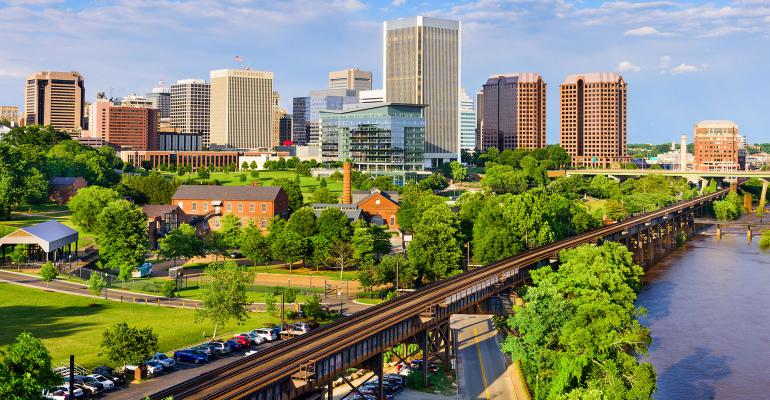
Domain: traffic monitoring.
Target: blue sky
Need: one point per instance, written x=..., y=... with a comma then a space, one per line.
x=683, y=60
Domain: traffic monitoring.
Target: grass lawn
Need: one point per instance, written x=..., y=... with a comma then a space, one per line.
x=349, y=275
x=595, y=204
x=71, y=324
x=370, y=301
x=42, y=214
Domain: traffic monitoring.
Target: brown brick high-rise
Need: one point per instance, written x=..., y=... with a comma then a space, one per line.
x=513, y=112
x=56, y=99
x=593, y=119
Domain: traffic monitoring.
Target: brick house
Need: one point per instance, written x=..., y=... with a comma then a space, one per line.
x=379, y=207
x=207, y=204
x=62, y=188
x=161, y=219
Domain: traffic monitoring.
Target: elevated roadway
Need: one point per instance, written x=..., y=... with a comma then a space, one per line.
x=303, y=366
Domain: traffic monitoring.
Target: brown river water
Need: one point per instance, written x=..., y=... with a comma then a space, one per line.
x=708, y=309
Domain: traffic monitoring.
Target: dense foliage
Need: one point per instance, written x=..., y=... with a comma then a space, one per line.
x=224, y=294
x=124, y=344
x=26, y=369
x=577, y=336
x=729, y=208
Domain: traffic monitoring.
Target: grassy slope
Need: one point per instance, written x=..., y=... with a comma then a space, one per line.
x=70, y=324
x=266, y=178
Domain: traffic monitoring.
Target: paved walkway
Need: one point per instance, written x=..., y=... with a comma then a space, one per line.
x=79, y=289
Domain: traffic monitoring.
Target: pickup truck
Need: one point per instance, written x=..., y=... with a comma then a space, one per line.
x=300, y=328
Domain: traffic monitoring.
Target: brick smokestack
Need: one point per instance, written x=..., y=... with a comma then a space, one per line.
x=347, y=194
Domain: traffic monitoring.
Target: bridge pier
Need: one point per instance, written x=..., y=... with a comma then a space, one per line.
x=763, y=196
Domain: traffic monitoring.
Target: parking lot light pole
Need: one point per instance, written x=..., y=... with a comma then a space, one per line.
x=282, y=310
x=339, y=294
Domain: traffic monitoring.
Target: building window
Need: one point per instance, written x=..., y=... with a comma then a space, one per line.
x=194, y=206
x=206, y=206
x=264, y=207
x=229, y=207
x=216, y=223
x=392, y=220
x=252, y=207
x=240, y=207
x=263, y=223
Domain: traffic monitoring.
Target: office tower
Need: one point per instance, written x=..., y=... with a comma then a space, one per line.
x=300, y=120
x=381, y=139
x=284, y=129
x=56, y=99
x=351, y=79
x=593, y=119
x=371, y=96
x=422, y=66
x=467, y=122
x=10, y=113
x=479, y=117
x=137, y=101
x=242, y=108
x=514, y=112
x=190, y=107
x=717, y=145
x=161, y=99
x=278, y=114
x=327, y=100
x=131, y=128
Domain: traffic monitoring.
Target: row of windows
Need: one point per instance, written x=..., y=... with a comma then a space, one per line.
x=228, y=207
x=244, y=222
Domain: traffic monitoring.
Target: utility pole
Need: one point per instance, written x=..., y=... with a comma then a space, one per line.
x=281, y=309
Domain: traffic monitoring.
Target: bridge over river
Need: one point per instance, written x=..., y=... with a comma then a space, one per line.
x=304, y=367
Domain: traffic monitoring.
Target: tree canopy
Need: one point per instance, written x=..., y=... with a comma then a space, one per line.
x=26, y=369
x=124, y=344
x=88, y=203
x=224, y=294
x=434, y=248
x=121, y=233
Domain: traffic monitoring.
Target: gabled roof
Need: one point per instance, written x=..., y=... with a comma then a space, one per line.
x=350, y=210
x=153, y=211
x=361, y=196
x=49, y=235
x=201, y=192
x=63, y=180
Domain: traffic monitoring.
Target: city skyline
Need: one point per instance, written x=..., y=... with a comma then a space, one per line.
x=678, y=66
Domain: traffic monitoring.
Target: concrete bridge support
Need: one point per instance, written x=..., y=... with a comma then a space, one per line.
x=763, y=196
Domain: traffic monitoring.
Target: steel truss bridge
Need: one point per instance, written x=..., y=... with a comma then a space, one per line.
x=306, y=366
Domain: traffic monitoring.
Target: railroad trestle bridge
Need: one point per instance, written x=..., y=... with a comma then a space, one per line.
x=306, y=366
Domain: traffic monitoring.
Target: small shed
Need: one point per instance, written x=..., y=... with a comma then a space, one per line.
x=46, y=241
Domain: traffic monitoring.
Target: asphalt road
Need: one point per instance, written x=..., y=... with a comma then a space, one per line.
x=482, y=370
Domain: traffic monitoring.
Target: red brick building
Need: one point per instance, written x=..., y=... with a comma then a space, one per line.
x=127, y=127
x=379, y=207
x=716, y=146
x=61, y=189
x=249, y=203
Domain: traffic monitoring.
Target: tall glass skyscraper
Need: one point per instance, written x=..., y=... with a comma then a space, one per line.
x=467, y=122
x=422, y=66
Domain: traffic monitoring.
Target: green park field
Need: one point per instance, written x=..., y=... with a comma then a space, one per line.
x=266, y=178
x=70, y=324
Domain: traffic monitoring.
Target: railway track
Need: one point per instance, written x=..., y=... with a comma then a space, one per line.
x=249, y=374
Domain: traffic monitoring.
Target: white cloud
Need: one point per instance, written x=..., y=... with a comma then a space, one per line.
x=664, y=62
x=397, y=3
x=643, y=31
x=687, y=68
x=628, y=66
x=11, y=73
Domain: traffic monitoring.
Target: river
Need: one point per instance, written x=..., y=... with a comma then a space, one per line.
x=708, y=309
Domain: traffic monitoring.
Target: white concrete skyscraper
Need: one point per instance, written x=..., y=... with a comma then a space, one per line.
x=190, y=107
x=422, y=66
x=242, y=108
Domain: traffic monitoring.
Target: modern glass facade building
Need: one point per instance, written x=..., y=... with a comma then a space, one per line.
x=467, y=122
x=381, y=139
x=300, y=120
x=327, y=100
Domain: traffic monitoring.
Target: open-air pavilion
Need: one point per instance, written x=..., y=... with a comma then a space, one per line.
x=46, y=241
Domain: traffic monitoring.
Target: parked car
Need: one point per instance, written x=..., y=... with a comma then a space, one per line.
x=245, y=341
x=204, y=349
x=191, y=356
x=164, y=360
x=111, y=374
x=417, y=365
x=219, y=348
x=373, y=388
x=107, y=383
x=277, y=331
x=250, y=352
x=254, y=339
x=153, y=367
x=396, y=378
x=62, y=393
x=89, y=385
x=392, y=384
x=235, y=345
x=267, y=335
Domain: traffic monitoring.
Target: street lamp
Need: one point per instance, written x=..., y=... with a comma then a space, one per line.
x=339, y=294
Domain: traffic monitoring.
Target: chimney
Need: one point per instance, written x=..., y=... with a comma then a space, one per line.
x=347, y=195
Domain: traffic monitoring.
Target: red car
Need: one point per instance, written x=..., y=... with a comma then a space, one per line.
x=242, y=340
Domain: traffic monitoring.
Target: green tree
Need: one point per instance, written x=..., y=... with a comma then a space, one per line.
x=270, y=303
x=313, y=308
x=459, y=171
x=434, y=182
x=290, y=295
x=19, y=255
x=414, y=201
x=323, y=195
x=290, y=247
x=181, y=242
x=26, y=369
x=504, y=179
x=35, y=190
x=203, y=173
x=577, y=336
x=334, y=225
x=88, y=203
x=121, y=233
x=224, y=294
x=729, y=208
x=96, y=283
x=293, y=191
x=150, y=189
x=231, y=231
x=48, y=272
x=615, y=210
x=341, y=255
x=389, y=266
x=255, y=246
x=303, y=222
x=41, y=136
x=168, y=289
x=245, y=165
x=124, y=344
x=434, y=248
x=254, y=165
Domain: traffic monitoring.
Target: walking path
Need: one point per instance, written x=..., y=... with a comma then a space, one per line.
x=79, y=289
